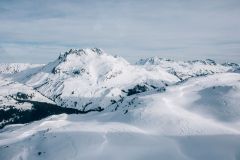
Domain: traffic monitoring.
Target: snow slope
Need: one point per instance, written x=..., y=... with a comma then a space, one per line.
x=9, y=91
x=11, y=95
x=156, y=109
x=165, y=125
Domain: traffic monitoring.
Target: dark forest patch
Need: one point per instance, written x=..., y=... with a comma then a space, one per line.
x=40, y=110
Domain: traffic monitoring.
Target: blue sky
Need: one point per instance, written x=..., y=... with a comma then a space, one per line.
x=37, y=31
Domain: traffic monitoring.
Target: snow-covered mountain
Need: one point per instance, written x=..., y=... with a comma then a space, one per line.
x=154, y=109
x=184, y=70
x=91, y=79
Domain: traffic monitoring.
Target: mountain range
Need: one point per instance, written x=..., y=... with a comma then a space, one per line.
x=88, y=104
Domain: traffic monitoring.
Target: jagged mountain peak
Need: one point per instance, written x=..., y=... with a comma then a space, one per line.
x=80, y=52
x=75, y=60
x=72, y=53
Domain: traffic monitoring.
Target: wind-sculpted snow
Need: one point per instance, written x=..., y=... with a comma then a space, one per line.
x=156, y=109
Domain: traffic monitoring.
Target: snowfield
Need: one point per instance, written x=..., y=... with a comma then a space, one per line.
x=155, y=109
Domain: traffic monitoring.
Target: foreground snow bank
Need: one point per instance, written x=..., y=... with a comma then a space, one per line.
x=65, y=137
x=175, y=125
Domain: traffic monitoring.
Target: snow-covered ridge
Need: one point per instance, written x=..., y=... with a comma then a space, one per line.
x=187, y=69
x=158, y=61
x=11, y=68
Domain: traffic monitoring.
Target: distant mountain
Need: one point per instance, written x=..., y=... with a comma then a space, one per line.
x=184, y=70
x=13, y=68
